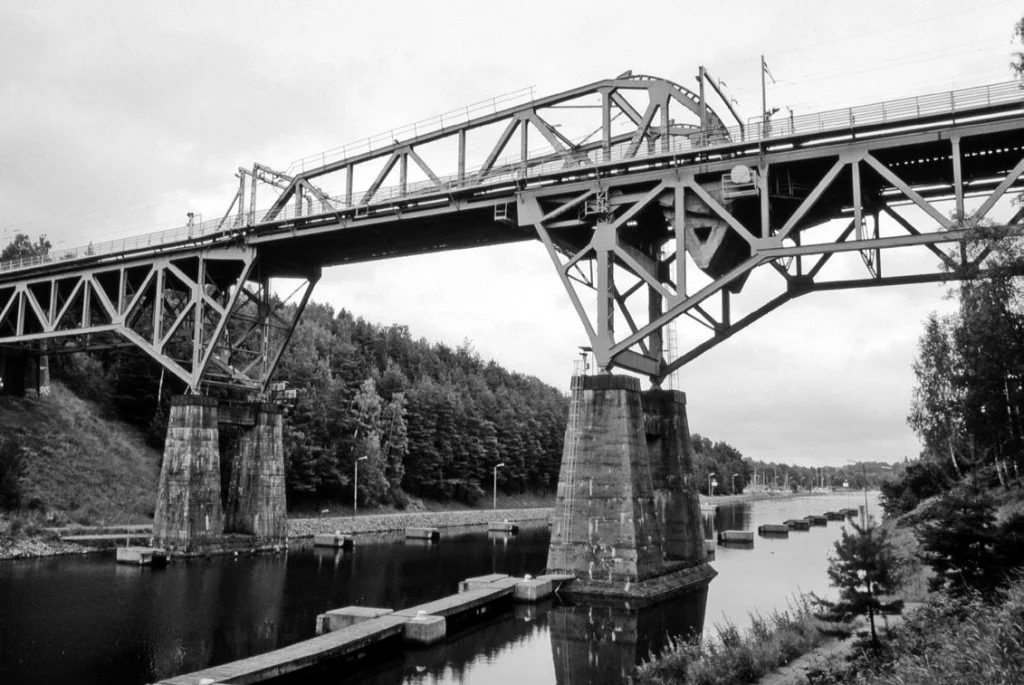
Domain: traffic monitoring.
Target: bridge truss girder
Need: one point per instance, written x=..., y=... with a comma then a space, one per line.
x=635, y=245
x=655, y=112
x=208, y=316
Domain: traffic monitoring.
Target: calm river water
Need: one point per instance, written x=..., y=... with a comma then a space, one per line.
x=87, y=620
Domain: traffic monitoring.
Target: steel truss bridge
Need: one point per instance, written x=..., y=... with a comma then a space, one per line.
x=651, y=208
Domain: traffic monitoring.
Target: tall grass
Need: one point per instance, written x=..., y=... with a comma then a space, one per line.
x=733, y=656
x=81, y=467
x=949, y=641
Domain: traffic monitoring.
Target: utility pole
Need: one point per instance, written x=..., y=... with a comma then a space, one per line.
x=764, y=99
x=355, y=487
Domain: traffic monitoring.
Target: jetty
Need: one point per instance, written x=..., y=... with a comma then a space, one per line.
x=350, y=632
x=745, y=537
x=334, y=540
x=798, y=524
x=431, y=534
x=773, y=530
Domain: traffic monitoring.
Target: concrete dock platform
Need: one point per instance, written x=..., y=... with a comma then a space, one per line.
x=779, y=530
x=351, y=631
x=503, y=527
x=431, y=534
x=334, y=645
x=333, y=540
x=141, y=556
x=798, y=524
x=736, y=536
x=816, y=520
x=336, y=619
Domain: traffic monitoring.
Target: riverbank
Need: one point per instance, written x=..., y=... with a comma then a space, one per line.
x=382, y=523
x=22, y=547
x=43, y=545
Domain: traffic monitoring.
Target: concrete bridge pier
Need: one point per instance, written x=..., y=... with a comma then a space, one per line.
x=189, y=516
x=625, y=523
x=670, y=454
x=256, y=496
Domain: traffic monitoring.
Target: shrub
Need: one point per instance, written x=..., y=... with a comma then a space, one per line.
x=13, y=466
x=918, y=482
x=958, y=537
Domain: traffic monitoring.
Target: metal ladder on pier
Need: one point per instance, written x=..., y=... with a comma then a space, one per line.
x=572, y=440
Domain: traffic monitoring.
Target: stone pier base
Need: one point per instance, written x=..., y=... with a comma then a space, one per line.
x=670, y=455
x=625, y=523
x=188, y=515
x=256, y=496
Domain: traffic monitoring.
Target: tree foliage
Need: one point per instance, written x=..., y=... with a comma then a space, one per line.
x=970, y=365
x=966, y=547
x=863, y=566
x=22, y=247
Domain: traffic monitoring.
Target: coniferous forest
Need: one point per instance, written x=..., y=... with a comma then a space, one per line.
x=423, y=419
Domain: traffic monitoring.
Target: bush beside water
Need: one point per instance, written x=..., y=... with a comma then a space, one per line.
x=735, y=656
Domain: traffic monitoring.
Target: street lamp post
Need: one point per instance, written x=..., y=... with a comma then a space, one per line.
x=494, y=500
x=734, y=483
x=710, y=492
x=355, y=487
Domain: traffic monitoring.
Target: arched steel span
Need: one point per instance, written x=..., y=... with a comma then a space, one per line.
x=663, y=221
x=657, y=115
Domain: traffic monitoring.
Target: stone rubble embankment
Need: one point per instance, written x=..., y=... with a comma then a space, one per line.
x=30, y=548
x=382, y=523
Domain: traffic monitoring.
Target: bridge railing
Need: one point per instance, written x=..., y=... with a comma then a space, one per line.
x=904, y=110
x=135, y=243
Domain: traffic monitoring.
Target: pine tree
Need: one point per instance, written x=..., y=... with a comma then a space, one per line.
x=863, y=566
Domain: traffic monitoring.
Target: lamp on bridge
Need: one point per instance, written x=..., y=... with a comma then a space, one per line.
x=355, y=487
x=494, y=500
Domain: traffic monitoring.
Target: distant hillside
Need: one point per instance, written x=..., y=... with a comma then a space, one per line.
x=82, y=467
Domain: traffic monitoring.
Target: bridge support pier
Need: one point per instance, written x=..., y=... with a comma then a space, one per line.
x=615, y=502
x=189, y=516
x=672, y=471
x=256, y=496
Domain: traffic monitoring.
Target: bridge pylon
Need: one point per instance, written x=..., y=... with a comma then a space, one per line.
x=627, y=515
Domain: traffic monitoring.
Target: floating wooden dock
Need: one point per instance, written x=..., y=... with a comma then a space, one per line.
x=141, y=556
x=503, y=527
x=798, y=524
x=835, y=515
x=432, y=534
x=104, y=539
x=773, y=530
x=745, y=537
x=351, y=631
x=333, y=540
x=816, y=520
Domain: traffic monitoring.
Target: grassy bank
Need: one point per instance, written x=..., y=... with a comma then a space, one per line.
x=737, y=657
x=945, y=641
x=80, y=467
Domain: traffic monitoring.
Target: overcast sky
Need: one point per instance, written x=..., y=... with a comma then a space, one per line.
x=121, y=117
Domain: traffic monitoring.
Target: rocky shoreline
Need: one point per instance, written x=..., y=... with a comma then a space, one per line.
x=35, y=547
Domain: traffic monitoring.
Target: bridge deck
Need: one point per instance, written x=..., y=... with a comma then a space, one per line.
x=867, y=121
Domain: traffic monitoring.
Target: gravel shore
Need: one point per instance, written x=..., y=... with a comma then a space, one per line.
x=381, y=523
x=30, y=548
